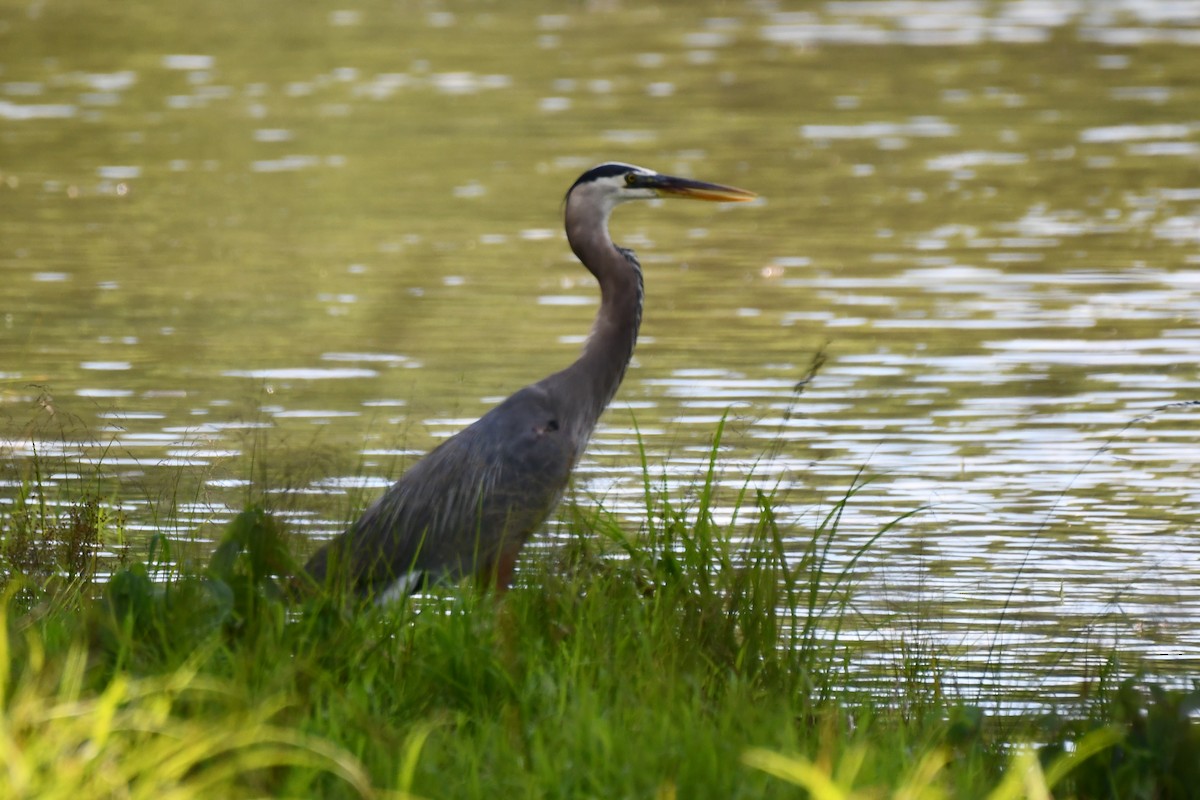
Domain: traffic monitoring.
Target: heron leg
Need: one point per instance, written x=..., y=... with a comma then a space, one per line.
x=499, y=575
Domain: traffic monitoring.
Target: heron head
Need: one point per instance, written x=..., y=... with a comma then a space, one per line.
x=608, y=184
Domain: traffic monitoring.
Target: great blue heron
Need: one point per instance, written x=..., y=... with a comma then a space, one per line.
x=469, y=506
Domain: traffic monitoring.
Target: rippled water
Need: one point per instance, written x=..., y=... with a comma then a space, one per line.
x=296, y=249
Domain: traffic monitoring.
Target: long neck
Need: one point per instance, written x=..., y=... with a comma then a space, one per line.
x=593, y=379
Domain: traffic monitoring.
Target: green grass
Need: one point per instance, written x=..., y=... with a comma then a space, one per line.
x=687, y=659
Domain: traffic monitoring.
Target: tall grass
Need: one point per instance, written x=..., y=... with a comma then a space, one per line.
x=64, y=736
x=685, y=659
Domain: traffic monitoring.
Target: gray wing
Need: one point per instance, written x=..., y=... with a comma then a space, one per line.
x=472, y=501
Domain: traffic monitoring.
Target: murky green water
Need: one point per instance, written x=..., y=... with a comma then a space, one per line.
x=330, y=235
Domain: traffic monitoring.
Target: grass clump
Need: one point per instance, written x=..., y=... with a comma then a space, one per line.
x=55, y=551
x=693, y=659
x=62, y=736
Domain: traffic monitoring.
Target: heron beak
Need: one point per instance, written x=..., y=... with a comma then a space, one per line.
x=670, y=186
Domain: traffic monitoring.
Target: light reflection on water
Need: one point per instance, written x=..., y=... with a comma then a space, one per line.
x=342, y=260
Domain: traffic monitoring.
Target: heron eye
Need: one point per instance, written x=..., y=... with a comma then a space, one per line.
x=630, y=178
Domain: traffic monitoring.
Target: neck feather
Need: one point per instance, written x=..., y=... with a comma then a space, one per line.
x=592, y=381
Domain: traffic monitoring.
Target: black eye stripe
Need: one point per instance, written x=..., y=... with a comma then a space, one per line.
x=609, y=170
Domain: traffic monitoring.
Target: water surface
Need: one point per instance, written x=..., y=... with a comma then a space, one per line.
x=295, y=247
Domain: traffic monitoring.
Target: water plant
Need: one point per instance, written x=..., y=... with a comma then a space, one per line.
x=61, y=736
x=687, y=658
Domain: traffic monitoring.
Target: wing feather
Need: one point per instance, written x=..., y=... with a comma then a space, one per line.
x=473, y=500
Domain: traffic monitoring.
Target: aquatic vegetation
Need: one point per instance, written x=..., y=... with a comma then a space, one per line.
x=42, y=545
x=689, y=659
x=167, y=735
